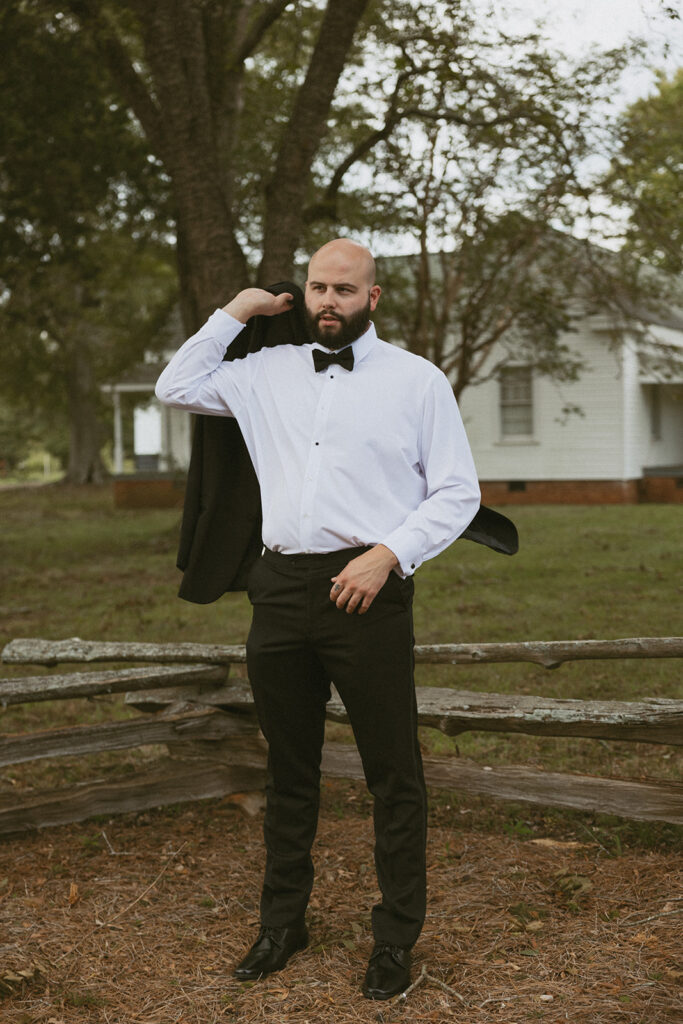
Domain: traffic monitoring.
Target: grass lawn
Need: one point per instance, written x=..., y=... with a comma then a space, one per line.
x=73, y=565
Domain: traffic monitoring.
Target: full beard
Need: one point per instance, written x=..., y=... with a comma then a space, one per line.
x=350, y=328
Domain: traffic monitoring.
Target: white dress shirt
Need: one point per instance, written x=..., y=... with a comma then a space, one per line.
x=344, y=458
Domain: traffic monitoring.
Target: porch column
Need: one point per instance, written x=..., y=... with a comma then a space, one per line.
x=118, y=432
x=165, y=456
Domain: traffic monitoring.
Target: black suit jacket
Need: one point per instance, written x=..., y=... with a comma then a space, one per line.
x=220, y=535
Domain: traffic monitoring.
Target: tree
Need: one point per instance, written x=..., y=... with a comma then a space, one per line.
x=510, y=290
x=492, y=205
x=77, y=245
x=16, y=434
x=646, y=176
x=68, y=329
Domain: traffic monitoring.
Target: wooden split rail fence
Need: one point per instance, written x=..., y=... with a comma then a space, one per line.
x=208, y=725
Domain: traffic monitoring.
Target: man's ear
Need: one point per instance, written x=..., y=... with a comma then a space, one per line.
x=375, y=293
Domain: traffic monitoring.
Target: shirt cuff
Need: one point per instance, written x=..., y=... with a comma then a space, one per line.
x=408, y=559
x=223, y=321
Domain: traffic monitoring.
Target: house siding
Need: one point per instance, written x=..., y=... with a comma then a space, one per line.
x=590, y=446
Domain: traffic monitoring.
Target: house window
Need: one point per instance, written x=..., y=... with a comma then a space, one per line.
x=516, y=408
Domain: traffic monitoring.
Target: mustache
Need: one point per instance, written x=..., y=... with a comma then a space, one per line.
x=332, y=316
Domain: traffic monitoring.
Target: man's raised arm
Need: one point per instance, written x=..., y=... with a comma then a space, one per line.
x=196, y=379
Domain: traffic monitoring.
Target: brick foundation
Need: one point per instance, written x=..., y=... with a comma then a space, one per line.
x=149, y=492
x=665, y=490
x=561, y=492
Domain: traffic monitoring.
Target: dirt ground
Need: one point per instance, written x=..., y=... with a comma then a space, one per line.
x=140, y=919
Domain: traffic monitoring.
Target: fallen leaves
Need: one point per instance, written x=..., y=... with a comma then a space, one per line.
x=571, y=887
x=250, y=804
x=498, y=931
x=570, y=884
x=13, y=981
x=526, y=917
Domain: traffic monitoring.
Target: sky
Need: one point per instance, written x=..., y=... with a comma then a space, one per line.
x=575, y=25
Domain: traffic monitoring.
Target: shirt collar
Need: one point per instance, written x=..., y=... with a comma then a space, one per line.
x=363, y=346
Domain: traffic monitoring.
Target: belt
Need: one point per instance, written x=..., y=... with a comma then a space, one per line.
x=327, y=561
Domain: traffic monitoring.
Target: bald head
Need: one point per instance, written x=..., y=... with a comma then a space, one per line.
x=340, y=292
x=342, y=253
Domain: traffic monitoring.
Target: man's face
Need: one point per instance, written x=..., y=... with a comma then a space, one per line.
x=335, y=329
x=339, y=299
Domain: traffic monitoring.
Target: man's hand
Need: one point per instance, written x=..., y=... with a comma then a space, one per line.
x=254, y=301
x=359, y=582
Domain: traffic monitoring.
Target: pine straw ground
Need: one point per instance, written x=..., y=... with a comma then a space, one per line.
x=140, y=919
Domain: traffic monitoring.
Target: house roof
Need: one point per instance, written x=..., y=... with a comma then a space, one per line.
x=141, y=377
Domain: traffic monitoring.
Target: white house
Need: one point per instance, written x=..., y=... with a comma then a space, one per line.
x=615, y=434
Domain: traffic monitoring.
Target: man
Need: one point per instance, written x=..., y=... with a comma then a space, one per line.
x=365, y=471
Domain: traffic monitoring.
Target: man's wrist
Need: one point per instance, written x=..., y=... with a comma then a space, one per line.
x=238, y=309
x=387, y=554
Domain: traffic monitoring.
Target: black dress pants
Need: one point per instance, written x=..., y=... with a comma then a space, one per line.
x=299, y=642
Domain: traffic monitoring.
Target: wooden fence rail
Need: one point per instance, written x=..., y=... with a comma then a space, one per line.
x=548, y=653
x=209, y=728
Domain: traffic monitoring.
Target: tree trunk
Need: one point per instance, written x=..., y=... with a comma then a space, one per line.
x=287, y=190
x=211, y=263
x=85, y=434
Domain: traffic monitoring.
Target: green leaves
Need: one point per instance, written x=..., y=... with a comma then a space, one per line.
x=647, y=174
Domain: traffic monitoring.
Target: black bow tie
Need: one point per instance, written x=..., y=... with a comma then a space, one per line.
x=321, y=360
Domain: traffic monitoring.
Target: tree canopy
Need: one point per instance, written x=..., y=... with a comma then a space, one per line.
x=267, y=115
x=249, y=131
x=85, y=272
x=647, y=174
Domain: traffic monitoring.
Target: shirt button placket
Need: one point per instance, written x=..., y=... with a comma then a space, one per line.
x=312, y=472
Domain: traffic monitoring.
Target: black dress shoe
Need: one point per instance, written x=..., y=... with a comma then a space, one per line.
x=271, y=951
x=388, y=972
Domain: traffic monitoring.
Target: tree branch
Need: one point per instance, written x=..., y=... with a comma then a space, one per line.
x=307, y=126
x=258, y=28
x=117, y=59
x=365, y=145
x=394, y=117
